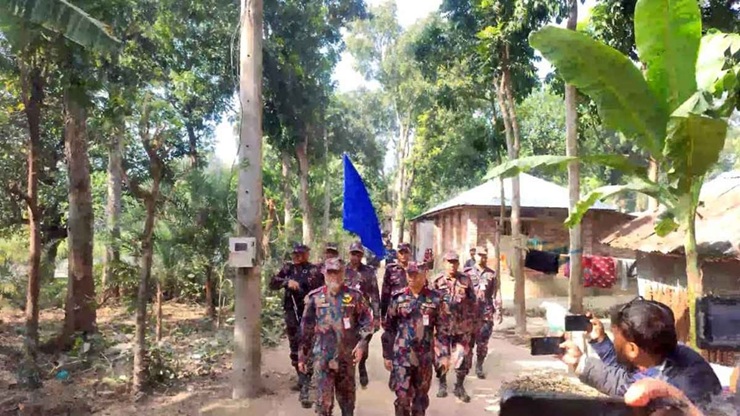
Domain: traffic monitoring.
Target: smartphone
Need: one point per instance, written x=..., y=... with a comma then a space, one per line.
x=546, y=345
x=577, y=323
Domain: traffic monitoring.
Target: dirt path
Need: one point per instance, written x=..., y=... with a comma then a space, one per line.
x=505, y=362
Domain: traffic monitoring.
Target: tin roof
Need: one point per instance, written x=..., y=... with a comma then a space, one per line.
x=717, y=225
x=535, y=193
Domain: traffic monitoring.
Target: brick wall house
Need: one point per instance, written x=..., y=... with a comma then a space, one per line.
x=472, y=218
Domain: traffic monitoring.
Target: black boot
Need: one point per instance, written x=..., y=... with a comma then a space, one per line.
x=363, y=375
x=348, y=412
x=297, y=385
x=460, y=392
x=479, y=368
x=303, y=396
x=442, y=392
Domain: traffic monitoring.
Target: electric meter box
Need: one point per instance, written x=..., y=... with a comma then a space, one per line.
x=242, y=251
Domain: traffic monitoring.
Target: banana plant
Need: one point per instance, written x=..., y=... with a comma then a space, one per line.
x=677, y=110
x=58, y=16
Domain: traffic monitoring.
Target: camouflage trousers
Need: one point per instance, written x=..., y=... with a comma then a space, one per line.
x=482, y=336
x=465, y=341
x=411, y=385
x=338, y=382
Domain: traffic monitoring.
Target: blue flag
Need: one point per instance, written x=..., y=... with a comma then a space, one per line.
x=358, y=215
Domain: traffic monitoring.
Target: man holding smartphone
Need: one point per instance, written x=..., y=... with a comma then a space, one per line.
x=645, y=346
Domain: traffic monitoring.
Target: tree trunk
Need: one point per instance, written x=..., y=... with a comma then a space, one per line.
x=302, y=154
x=287, y=197
x=513, y=143
x=248, y=301
x=400, y=193
x=653, y=173
x=159, y=310
x=575, y=288
x=210, y=307
x=142, y=298
x=80, y=311
x=327, y=196
x=499, y=230
x=112, y=254
x=693, y=272
x=33, y=95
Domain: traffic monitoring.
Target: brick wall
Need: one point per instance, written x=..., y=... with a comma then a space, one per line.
x=599, y=224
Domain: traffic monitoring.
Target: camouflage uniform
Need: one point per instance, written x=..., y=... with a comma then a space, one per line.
x=364, y=280
x=485, y=284
x=331, y=328
x=309, y=278
x=394, y=280
x=459, y=296
x=416, y=333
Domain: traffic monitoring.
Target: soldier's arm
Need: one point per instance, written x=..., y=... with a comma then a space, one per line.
x=498, y=301
x=385, y=293
x=374, y=294
x=442, y=333
x=280, y=280
x=364, y=323
x=307, y=330
x=390, y=328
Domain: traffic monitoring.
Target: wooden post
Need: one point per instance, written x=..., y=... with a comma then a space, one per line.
x=575, y=289
x=247, y=349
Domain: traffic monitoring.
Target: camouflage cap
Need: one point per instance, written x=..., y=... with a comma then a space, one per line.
x=356, y=247
x=451, y=256
x=404, y=246
x=414, y=267
x=332, y=247
x=333, y=264
x=481, y=250
x=300, y=248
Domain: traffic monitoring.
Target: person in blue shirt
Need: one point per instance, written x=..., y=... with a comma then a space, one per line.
x=645, y=346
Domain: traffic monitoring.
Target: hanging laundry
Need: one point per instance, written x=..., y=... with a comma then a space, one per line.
x=542, y=261
x=624, y=266
x=599, y=272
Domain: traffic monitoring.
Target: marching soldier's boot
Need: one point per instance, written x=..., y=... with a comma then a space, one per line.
x=402, y=411
x=363, y=374
x=297, y=385
x=479, y=368
x=442, y=392
x=348, y=412
x=303, y=396
x=460, y=392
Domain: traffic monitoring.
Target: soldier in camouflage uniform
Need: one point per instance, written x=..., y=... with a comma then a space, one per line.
x=459, y=295
x=486, y=290
x=395, y=276
x=331, y=251
x=416, y=334
x=362, y=277
x=298, y=279
x=335, y=323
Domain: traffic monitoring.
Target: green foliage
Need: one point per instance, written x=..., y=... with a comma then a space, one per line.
x=668, y=47
x=625, y=101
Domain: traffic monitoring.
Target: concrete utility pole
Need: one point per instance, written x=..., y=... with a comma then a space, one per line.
x=247, y=348
x=575, y=290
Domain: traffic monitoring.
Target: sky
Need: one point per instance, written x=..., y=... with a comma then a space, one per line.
x=409, y=11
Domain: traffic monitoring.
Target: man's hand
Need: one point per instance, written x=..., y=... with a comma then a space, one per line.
x=302, y=367
x=597, y=333
x=571, y=354
x=640, y=393
x=388, y=364
x=357, y=353
x=444, y=365
x=293, y=285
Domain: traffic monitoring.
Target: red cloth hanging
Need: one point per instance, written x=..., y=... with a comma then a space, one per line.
x=599, y=272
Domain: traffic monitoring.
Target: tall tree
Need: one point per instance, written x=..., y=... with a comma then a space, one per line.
x=384, y=53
